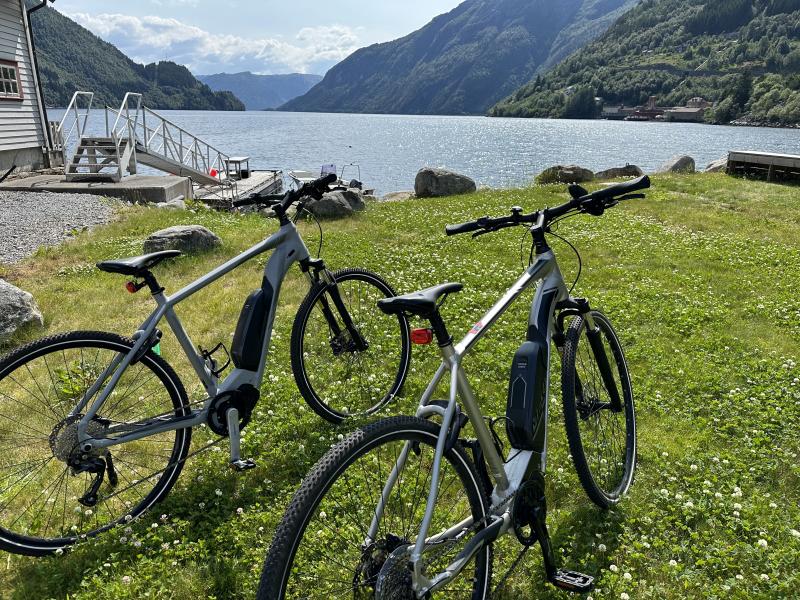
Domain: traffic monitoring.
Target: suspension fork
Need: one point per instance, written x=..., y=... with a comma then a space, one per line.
x=579, y=307
x=317, y=272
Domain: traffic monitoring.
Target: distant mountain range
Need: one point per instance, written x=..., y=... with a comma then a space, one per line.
x=462, y=62
x=72, y=58
x=261, y=92
x=744, y=55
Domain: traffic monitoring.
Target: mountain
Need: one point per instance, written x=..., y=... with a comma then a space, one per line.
x=462, y=62
x=260, y=92
x=72, y=58
x=744, y=55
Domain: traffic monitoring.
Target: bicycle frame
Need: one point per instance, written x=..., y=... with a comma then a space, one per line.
x=508, y=474
x=288, y=248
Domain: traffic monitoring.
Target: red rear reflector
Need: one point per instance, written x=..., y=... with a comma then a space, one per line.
x=131, y=287
x=421, y=337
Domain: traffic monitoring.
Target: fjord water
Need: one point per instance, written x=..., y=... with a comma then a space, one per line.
x=495, y=152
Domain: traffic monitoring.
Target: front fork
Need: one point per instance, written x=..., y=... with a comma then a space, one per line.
x=580, y=307
x=317, y=272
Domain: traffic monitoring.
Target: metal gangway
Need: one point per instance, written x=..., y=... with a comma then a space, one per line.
x=137, y=135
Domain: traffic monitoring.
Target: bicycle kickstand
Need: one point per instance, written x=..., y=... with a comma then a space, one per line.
x=571, y=581
x=237, y=464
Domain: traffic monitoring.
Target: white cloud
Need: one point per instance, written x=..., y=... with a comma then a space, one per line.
x=151, y=38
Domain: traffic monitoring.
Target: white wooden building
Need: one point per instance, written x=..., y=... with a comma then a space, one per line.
x=24, y=137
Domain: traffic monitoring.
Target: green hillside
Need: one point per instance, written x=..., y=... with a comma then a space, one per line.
x=464, y=61
x=72, y=58
x=742, y=54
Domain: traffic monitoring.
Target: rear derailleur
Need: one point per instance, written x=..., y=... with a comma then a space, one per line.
x=97, y=466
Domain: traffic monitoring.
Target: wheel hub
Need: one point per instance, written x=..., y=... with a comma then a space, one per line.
x=373, y=560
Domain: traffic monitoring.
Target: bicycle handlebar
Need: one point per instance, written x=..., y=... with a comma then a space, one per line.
x=281, y=203
x=595, y=204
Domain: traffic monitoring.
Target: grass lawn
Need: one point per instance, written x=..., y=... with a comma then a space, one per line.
x=701, y=282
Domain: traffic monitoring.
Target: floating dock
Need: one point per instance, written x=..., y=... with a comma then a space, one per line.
x=772, y=167
x=268, y=182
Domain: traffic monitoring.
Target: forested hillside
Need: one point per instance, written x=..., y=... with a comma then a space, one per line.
x=260, y=92
x=742, y=54
x=463, y=61
x=72, y=58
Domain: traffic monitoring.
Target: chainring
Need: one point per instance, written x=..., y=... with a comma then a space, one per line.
x=243, y=400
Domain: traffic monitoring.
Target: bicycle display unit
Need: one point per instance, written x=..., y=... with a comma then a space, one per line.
x=404, y=507
x=96, y=427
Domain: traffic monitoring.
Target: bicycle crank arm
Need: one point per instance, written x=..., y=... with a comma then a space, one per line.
x=485, y=536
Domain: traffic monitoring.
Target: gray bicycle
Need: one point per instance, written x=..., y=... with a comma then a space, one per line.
x=408, y=507
x=95, y=427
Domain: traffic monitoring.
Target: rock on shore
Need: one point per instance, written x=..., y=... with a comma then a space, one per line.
x=678, y=164
x=434, y=183
x=17, y=309
x=564, y=174
x=189, y=239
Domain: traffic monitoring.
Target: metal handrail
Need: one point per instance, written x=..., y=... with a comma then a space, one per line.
x=79, y=120
x=167, y=139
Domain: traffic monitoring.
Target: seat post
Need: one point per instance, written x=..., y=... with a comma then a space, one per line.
x=443, y=338
x=151, y=282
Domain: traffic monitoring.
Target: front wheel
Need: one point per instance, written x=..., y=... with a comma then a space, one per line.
x=600, y=422
x=349, y=358
x=333, y=542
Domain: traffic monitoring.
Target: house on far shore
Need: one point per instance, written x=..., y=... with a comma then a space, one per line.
x=25, y=139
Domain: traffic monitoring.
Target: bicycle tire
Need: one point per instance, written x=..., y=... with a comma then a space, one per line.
x=291, y=531
x=332, y=404
x=600, y=492
x=49, y=403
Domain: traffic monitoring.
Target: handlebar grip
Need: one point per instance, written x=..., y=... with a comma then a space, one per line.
x=462, y=228
x=323, y=182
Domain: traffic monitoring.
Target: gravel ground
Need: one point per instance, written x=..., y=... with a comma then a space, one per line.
x=29, y=220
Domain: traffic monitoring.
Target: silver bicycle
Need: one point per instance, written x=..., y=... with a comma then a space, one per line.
x=95, y=428
x=408, y=508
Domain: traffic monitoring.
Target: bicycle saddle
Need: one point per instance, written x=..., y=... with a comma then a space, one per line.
x=136, y=265
x=419, y=303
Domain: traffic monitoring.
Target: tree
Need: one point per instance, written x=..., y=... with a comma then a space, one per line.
x=581, y=105
x=743, y=89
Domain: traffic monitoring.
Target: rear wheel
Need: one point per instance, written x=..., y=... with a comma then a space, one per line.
x=337, y=377
x=602, y=439
x=46, y=498
x=322, y=547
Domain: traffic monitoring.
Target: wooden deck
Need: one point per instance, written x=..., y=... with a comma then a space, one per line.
x=772, y=167
x=259, y=181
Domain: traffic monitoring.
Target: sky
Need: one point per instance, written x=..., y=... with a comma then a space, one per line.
x=262, y=36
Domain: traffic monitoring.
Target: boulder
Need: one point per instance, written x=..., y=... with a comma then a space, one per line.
x=718, y=165
x=17, y=309
x=188, y=239
x=332, y=206
x=395, y=196
x=564, y=174
x=434, y=183
x=678, y=164
x=615, y=172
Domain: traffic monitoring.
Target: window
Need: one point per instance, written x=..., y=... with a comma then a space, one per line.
x=10, y=85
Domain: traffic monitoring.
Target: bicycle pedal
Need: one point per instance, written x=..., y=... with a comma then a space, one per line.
x=572, y=581
x=243, y=465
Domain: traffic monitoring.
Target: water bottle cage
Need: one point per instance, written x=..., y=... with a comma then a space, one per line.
x=208, y=357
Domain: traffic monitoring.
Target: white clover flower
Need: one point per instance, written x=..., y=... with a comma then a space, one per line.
x=601, y=547
x=763, y=543
x=165, y=546
x=739, y=576
x=764, y=577
x=627, y=576
x=736, y=513
x=737, y=506
x=773, y=505
x=239, y=511
x=795, y=533
x=59, y=552
x=693, y=467
x=218, y=492
x=123, y=540
x=126, y=579
x=624, y=596
x=717, y=495
x=613, y=568
x=673, y=563
x=689, y=504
